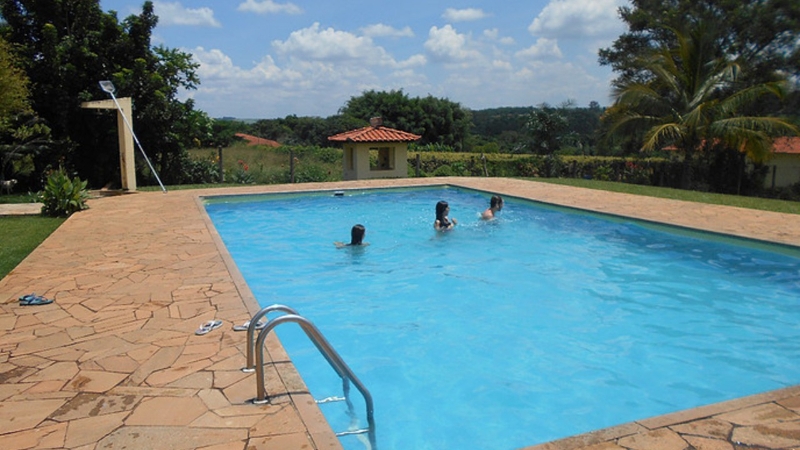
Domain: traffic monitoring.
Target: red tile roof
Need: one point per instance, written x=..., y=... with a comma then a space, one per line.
x=787, y=145
x=253, y=140
x=374, y=134
x=784, y=145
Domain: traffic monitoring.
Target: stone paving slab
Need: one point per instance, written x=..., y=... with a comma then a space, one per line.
x=114, y=361
x=20, y=209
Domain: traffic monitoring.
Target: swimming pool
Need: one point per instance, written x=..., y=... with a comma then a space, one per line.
x=540, y=325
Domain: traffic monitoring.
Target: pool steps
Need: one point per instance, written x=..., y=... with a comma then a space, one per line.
x=334, y=359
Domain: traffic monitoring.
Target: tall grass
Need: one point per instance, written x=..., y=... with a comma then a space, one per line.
x=266, y=165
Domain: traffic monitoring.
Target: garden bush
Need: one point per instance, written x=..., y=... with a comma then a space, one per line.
x=200, y=171
x=63, y=196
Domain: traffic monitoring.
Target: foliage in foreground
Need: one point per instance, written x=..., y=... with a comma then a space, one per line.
x=63, y=196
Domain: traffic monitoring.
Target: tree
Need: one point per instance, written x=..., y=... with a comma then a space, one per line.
x=438, y=121
x=67, y=47
x=692, y=99
x=21, y=133
x=13, y=88
x=312, y=131
x=762, y=33
x=223, y=132
x=546, y=126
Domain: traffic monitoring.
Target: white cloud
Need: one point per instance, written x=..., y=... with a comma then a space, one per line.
x=579, y=18
x=413, y=61
x=177, y=14
x=543, y=48
x=493, y=34
x=499, y=84
x=381, y=30
x=216, y=67
x=269, y=7
x=330, y=45
x=447, y=45
x=268, y=89
x=463, y=15
x=500, y=64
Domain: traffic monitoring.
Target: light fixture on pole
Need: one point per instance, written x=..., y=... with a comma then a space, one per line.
x=108, y=87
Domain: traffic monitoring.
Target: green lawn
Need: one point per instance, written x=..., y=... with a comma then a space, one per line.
x=20, y=235
x=764, y=204
x=16, y=198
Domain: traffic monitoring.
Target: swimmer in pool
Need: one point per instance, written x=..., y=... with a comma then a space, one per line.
x=356, y=237
x=495, y=206
x=443, y=223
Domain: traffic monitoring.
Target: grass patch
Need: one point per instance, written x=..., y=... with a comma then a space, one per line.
x=28, y=232
x=18, y=198
x=763, y=204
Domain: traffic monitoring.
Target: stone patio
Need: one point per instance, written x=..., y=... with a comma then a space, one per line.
x=114, y=361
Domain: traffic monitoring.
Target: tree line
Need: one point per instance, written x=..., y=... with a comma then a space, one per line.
x=442, y=124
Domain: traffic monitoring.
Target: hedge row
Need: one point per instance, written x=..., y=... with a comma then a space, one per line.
x=650, y=171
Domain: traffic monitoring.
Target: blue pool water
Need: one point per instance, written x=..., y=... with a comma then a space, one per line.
x=542, y=324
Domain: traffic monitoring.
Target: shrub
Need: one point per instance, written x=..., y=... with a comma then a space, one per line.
x=443, y=171
x=199, y=171
x=310, y=173
x=637, y=173
x=329, y=155
x=241, y=174
x=61, y=196
x=603, y=172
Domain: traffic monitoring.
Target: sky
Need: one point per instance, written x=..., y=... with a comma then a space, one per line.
x=265, y=59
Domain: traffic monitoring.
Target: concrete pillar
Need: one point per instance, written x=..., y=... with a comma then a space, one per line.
x=127, y=165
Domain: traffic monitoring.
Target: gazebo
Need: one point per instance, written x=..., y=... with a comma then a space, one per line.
x=389, y=146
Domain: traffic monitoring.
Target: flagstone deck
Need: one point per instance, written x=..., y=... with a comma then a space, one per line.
x=114, y=361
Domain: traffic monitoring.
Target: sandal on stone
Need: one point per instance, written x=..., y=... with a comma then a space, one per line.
x=33, y=299
x=208, y=327
x=244, y=326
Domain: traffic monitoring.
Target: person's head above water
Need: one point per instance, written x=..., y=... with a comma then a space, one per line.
x=495, y=205
x=357, y=234
x=496, y=202
x=443, y=222
x=441, y=210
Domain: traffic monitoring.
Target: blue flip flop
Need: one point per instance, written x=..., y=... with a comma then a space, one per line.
x=33, y=299
x=207, y=327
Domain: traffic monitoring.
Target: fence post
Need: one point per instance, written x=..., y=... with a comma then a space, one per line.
x=417, y=163
x=291, y=166
x=221, y=170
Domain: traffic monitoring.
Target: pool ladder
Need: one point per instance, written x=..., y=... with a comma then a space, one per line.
x=255, y=362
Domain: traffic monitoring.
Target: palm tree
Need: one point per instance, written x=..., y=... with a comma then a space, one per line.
x=693, y=100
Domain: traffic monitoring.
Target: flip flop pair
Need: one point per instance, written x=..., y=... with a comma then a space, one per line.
x=33, y=299
x=244, y=326
x=207, y=327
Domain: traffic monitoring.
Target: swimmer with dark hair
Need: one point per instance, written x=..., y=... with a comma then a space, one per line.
x=443, y=222
x=495, y=206
x=356, y=237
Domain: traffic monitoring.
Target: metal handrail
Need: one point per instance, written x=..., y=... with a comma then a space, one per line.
x=333, y=359
x=251, y=331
